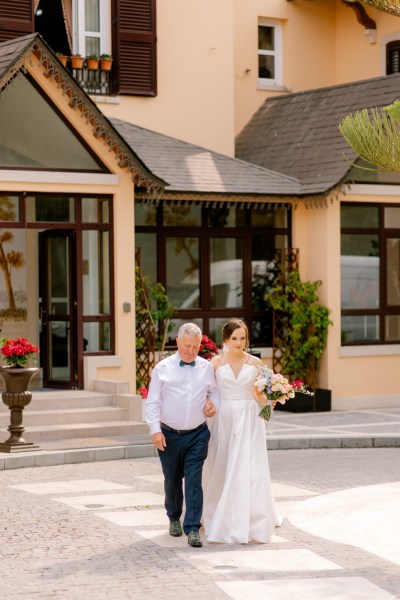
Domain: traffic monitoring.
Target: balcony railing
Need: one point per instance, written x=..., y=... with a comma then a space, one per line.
x=93, y=80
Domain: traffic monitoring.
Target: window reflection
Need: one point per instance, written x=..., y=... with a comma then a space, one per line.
x=225, y=216
x=360, y=265
x=182, y=216
x=9, y=208
x=393, y=271
x=392, y=328
x=145, y=214
x=182, y=265
x=96, y=272
x=226, y=272
x=95, y=210
x=360, y=328
x=50, y=209
x=97, y=337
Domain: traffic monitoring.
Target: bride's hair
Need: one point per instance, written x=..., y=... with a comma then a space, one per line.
x=231, y=326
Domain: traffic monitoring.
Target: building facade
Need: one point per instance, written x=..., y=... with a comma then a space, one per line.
x=209, y=74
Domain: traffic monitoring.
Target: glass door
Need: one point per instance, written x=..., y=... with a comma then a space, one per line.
x=57, y=307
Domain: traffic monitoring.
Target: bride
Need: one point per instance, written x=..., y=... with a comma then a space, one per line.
x=238, y=504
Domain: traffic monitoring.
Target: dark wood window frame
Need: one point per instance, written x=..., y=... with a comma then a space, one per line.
x=391, y=48
x=78, y=226
x=383, y=233
x=205, y=232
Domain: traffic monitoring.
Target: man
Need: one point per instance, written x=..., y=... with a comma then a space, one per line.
x=182, y=394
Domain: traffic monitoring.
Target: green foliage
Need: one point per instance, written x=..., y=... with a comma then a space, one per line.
x=375, y=136
x=391, y=7
x=306, y=331
x=160, y=309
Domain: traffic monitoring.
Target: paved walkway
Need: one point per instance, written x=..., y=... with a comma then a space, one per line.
x=98, y=531
x=353, y=429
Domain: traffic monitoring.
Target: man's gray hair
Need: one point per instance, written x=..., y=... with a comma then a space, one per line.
x=189, y=329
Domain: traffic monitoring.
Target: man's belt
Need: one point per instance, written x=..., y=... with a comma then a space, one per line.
x=182, y=431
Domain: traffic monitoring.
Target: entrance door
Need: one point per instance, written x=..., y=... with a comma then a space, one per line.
x=57, y=308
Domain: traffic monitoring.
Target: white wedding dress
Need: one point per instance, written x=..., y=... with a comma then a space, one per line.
x=238, y=503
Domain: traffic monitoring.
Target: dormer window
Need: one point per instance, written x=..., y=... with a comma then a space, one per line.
x=393, y=57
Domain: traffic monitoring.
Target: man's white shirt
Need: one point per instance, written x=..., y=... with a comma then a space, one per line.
x=177, y=394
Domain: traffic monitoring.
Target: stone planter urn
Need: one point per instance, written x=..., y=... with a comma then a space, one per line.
x=16, y=396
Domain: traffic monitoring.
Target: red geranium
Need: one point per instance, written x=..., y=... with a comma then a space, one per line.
x=17, y=352
x=207, y=348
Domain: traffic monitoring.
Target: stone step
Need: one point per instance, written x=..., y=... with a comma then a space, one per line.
x=37, y=434
x=67, y=416
x=66, y=399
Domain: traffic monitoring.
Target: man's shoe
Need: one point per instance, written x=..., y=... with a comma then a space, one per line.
x=175, y=528
x=194, y=539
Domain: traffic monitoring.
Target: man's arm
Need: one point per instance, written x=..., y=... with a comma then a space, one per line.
x=212, y=402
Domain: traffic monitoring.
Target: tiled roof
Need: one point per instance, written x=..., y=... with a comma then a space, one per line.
x=298, y=134
x=11, y=50
x=189, y=168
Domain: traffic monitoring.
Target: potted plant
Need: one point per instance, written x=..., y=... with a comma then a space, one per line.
x=17, y=377
x=105, y=62
x=92, y=62
x=63, y=58
x=76, y=61
x=305, y=323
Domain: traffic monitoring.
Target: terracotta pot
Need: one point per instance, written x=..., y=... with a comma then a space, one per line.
x=63, y=59
x=105, y=64
x=16, y=396
x=92, y=64
x=76, y=62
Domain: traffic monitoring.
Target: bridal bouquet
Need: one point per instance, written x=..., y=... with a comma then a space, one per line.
x=276, y=388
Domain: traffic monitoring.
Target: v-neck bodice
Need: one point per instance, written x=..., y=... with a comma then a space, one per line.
x=236, y=388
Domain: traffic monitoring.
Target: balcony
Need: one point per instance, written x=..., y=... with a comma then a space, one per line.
x=94, y=77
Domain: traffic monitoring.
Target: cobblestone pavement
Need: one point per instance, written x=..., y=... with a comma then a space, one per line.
x=98, y=531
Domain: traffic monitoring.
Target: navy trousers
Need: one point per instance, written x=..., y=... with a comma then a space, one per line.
x=183, y=458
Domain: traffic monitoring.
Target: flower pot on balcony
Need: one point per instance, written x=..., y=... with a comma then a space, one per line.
x=92, y=64
x=63, y=59
x=76, y=62
x=16, y=396
x=105, y=64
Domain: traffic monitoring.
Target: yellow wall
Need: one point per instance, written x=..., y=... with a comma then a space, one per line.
x=323, y=45
x=195, y=76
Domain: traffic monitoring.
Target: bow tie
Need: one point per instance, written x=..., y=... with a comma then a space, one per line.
x=182, y=363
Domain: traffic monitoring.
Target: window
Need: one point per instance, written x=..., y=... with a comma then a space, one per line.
x=216, y=262
x=124, y=28
x=370, y=273
x=393, y=57
x=269, y=53
x=92, y=34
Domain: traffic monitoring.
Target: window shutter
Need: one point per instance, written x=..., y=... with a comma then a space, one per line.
x=16, y=19
x=134, y=47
